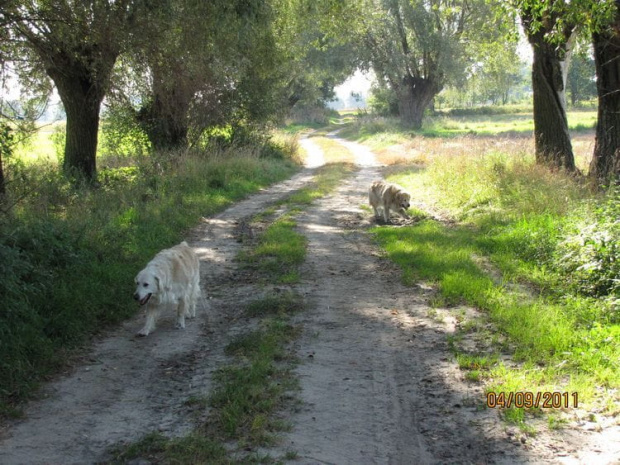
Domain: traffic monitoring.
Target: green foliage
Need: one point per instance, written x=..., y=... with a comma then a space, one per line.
x=500, y=77
x=383, y=101
x=7, y=140
x=589, y=252
x=58, y=138
x=121, y=136
x=581, y=84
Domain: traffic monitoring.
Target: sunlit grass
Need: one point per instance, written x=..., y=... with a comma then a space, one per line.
x=513, y=212
x=334, y=152
x=39, y=146
x=476, y=135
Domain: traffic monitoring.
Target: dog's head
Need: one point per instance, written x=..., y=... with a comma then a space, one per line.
x=403, y=200
x=147, y=285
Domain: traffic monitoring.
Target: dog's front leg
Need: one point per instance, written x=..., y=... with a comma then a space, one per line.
x=151, y=317
x=386, y=212
x=195, y=295
x=182, y=310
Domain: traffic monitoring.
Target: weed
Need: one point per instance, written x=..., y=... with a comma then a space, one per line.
x=279, y=252
x=280, y=304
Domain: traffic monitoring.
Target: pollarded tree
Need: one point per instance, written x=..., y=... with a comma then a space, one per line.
x=418, y=46
x=77, y=42
x=550, y=30
x=605, y=165
x=199, y=65
x=188, y=57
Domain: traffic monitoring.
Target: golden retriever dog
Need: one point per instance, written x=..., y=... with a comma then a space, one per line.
x=171, y=278
x=388, y=197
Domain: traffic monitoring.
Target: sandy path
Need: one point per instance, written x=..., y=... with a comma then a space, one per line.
x=379, y=384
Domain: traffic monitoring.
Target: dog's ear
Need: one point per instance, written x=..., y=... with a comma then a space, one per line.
x=162, y=280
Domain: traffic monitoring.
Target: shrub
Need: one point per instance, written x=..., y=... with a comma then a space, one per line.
x=589, y=254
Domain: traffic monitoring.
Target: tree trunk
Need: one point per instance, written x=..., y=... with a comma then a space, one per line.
x=552, y=139
x=6, y=140
x=165, y=118
x=605, y=165
x=165, y=126
x=81, y=91
x=414, y=97
x=80, y=157
x=2, y=183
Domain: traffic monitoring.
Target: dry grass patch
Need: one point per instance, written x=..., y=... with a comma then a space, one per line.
x=333, y=151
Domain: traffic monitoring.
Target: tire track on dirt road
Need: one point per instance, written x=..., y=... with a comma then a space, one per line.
x=378, y=382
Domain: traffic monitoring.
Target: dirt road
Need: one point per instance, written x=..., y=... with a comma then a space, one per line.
x=379, y=384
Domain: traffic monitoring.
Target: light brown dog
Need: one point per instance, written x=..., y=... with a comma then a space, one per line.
x=172, y=277
x=387, y=196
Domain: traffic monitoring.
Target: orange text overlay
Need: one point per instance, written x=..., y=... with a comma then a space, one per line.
x=527, y=399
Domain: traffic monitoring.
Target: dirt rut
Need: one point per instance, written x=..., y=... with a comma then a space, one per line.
x=378, y=382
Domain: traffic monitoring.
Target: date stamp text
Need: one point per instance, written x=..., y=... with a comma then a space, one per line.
x=528, y=399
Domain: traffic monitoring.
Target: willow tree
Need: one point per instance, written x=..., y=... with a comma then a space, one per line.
x=77, y=42
x=550, y=31
x=605, y=165
x=185, y=67
x=418, y=46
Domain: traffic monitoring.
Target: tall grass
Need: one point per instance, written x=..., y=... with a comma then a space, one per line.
x=68, y=255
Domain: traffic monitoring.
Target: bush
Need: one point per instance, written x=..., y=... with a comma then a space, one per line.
x=312, y=114
x=589, y=254
x=383, y=101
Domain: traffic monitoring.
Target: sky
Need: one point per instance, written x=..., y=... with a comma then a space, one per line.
x=358, y=83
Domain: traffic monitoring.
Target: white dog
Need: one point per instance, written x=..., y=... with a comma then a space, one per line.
x=388, y=196
x=171, y=278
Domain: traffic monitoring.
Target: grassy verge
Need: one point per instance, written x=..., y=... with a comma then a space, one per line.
x=535, y=251
x=455, y=124
x=67, y=256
